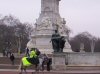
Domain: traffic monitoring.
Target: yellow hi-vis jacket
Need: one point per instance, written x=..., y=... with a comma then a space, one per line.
x=33, y=54
x=25, y=61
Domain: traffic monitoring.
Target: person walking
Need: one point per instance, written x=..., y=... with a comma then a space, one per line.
x=27, y=52
x=12, y=58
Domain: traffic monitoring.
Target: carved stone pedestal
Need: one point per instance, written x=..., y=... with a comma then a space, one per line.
x=58, y=61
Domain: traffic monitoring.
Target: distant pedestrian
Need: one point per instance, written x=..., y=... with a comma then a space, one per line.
x=3, y=52
x=46, y=61
x=12, y=58
x=49, y=64
x=27, y=52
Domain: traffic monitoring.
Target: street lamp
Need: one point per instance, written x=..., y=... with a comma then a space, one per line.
x=82, y=47
x=92, y=44
x=19, y=39
x=19, y=45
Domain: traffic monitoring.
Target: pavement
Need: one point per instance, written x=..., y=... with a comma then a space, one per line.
x=15, y=71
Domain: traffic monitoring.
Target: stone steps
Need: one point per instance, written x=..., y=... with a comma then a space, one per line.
x=85, y=68
x=68, y=68
x=6, y=60
x=8, y=66
x=5, y=63
x=49, y=72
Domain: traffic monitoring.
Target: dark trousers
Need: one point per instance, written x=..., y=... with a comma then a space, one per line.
x=48, y=66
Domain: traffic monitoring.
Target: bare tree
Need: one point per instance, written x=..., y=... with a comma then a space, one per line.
x=13, y=33
x=85, y=38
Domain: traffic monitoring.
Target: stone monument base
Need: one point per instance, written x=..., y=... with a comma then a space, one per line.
x=83, y=59
x=44, y=44
x=60, y=61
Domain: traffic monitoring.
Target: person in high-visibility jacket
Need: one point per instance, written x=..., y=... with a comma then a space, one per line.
x=25, y=62
x=33, y=53
x=33, y=58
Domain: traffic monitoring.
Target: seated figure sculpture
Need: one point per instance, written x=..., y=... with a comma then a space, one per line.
x=58, y=42
x=62, y=43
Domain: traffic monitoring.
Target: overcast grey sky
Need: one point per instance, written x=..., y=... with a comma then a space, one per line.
x=80, y=15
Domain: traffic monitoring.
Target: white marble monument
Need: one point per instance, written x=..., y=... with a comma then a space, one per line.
x=48, y=21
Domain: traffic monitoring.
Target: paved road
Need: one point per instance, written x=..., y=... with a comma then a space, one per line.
x=10, y=71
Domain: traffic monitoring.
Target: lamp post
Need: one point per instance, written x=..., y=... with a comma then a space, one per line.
x=19, y=40
x=19, y=45
x=82, y=47
x=92, y=44
x=92, y=40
